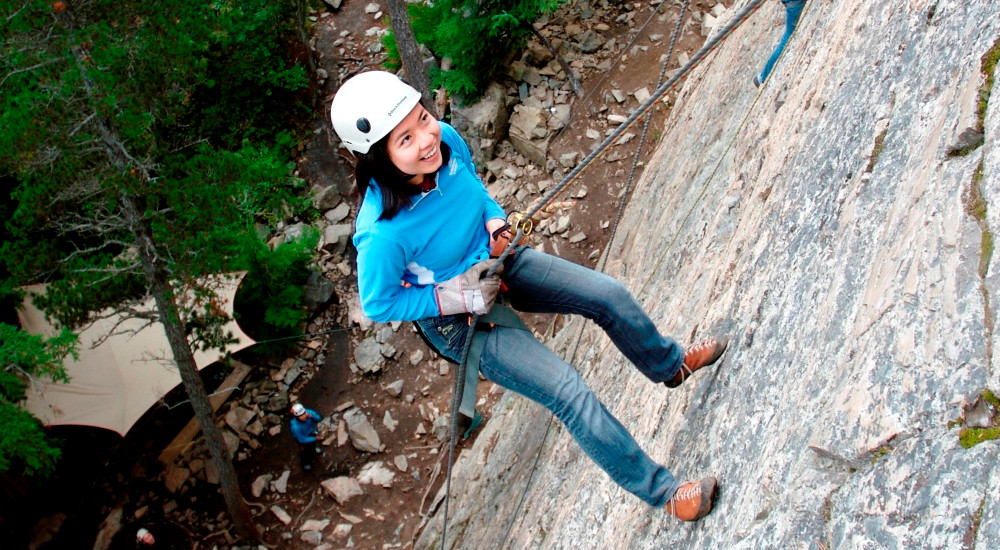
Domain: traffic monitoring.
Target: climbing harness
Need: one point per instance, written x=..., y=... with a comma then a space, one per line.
x=460, y=375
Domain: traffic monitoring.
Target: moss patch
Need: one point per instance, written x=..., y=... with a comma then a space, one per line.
x=879, y=453
x=988, y=67
x=991, y=398
x=970, y=437
x=877, y=150
x=976, y=207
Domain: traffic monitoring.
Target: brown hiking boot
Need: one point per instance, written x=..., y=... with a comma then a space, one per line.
x=693, y=500
x=700, y=355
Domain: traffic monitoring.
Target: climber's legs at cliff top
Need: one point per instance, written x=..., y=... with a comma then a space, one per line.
x=793, y=9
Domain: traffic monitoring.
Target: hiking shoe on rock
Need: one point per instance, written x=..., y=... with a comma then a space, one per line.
x=700, y=355
x=693, y=500
x=756, y=81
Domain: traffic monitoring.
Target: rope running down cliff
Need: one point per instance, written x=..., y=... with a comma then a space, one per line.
x=548, y=198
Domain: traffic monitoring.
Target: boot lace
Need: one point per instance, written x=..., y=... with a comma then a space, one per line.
x=684, y=492
x=687, y=493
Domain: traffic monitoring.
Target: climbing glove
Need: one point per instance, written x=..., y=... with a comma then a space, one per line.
x=470, y=292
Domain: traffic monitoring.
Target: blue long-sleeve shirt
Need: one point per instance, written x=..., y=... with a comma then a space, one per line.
x=439, y=236
x=305, y=430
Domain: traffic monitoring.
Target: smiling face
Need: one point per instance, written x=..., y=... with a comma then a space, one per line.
x=414, y=145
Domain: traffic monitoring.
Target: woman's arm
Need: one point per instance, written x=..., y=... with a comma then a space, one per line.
x=381, y=265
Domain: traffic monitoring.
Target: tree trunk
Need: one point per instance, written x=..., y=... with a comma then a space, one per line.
x=409, y=52
x=157, y=282
x=559, y=58
x=159, y=287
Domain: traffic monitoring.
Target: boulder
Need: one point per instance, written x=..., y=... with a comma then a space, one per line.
x=280, y=485
x=368, y=355
x=376, y=473
x=259, y=484
x=483, y=123
x=175, y=478
x=529, y=133
x=342, y=488
x=361, y=432
x=237, y=418
x=338, y=214
x=281, y=514
x=314, y=525
x=336, y=237
x=318, y=291
x=389, y=422
x=394, y=388
x=311, y=537
x=46, y=529
x=325, y=198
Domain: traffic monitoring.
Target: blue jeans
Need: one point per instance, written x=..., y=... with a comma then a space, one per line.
x=514, y=359
x=793, y=9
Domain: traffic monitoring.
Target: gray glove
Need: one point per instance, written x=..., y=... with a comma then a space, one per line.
x=470, y=292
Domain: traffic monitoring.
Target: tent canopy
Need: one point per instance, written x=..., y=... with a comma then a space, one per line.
x=117, y=378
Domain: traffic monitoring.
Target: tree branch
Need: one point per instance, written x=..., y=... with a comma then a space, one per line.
x=31, y=68
x=13, y=15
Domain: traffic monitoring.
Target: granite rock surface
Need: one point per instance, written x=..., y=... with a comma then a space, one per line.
x=822, y=223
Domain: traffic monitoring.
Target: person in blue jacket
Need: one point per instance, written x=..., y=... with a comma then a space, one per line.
x=303, y=424
x=424, y=232
x=793, y=9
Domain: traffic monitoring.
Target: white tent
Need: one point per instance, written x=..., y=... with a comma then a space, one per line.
x=115, y=382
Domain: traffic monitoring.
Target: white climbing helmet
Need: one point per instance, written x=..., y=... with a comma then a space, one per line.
x=368, y=106
x=298, y=409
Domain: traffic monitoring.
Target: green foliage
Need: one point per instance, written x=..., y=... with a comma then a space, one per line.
x=184, y=86
x=970, y=437
x=269, y=303
x=177, y=106
x=24, y=445
x=250, y=89
x=393, y=60
x=479, y=36
x=988, y=67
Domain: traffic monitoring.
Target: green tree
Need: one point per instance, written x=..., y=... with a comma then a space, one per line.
x=479, y=36
x=268, y=305
x=24, y=445
x=142, y=141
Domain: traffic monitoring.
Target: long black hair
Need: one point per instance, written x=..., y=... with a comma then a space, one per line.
x=376, y=166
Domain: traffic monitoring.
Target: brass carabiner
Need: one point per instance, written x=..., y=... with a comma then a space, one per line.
x=518, y=222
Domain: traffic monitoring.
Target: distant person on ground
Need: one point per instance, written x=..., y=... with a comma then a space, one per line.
x=424, y=235
x=163, y=536
x=793, y=9
x=304, y=423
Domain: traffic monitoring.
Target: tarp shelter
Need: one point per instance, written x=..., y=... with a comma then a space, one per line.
x=114, y=382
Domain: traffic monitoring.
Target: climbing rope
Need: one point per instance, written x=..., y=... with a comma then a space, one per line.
x=577, y=107
x=522, y=225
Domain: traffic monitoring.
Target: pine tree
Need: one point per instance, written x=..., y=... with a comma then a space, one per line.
x=124, y=140
x=479, y=36
x=24, y=445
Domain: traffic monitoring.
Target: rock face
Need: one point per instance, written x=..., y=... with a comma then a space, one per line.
x=829, y=237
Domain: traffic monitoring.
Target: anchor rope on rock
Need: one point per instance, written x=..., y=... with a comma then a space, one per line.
x=460, y=371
